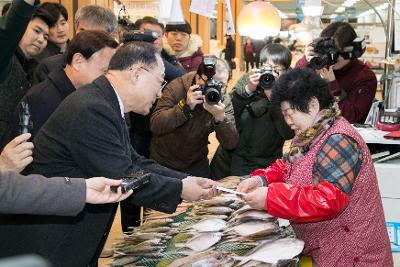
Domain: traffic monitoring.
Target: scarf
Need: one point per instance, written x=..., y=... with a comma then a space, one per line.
x=302, y=143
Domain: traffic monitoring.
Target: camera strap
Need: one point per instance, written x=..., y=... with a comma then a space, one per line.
x=185, y=109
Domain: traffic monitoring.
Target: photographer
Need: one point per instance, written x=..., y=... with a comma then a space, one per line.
x=262, y=130
x=187, y=113
x=351, y=80
x=140, y=125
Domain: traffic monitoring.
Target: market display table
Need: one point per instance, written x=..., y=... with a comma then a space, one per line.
x=221, y=231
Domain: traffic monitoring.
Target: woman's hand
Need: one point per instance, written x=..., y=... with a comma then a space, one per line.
x=249, y=185
x=256, y=198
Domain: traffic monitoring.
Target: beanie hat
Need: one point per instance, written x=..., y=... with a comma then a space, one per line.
x=179, y=28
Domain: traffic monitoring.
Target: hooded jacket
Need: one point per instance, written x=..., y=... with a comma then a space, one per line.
x=191, y=57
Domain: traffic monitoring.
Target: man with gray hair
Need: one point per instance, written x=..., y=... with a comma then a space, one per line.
x=94, y=139
x=91, y=17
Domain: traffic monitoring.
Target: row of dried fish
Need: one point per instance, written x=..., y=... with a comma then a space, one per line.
x=148, y=240
x=212, y=225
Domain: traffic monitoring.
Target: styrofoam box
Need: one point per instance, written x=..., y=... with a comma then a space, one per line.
x=388, y=175
x=391, y=208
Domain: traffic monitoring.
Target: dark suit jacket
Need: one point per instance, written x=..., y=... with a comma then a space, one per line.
x=46, y=66
x=43, y=99
x=86, y=136
x=35, y=194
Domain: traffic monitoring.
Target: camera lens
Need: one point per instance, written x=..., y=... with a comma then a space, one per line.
x=318, y=62
x=213, y=96
x=267, y=80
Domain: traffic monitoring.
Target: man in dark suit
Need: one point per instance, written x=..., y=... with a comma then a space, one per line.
x=87, y=136
x=83, y=66
x=90, y=17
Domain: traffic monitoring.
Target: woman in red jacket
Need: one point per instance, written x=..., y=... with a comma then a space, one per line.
x=326, y=184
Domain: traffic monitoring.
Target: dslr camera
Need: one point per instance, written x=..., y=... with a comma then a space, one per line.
x=212, y=88
x=144, y=36
x=267, y=78
x=326, y=53
x=134, y=181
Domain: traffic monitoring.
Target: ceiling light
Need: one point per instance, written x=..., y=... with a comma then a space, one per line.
x=340, y=9
x=253, y=22
x=312, y=8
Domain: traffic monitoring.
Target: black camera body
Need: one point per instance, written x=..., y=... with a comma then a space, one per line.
x=126, y=23
x=326, y=53
x=267, y=78
x=133, y=181
x=212, y=91
x=355, y=50
x=144, y=36
x=212, y=88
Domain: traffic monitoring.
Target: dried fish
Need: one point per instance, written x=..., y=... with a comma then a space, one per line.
x=257, y=214
x=161, y=229
x=209, y=225
x=146, y=246
x=241, y=210
x=123, y=261
x=216, y=201
x=214, y=210
x=256, y=264
x=273, y=251
x=205, y=259
x=203, y=241
x=156, y=223
x=254, y=228
x=206, y=216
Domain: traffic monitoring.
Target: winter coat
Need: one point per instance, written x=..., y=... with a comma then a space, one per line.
x=191, y=57
x=355, y=84
x=179, y=142
x=262, y=133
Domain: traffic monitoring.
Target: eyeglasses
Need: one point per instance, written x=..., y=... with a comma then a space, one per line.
x=162, y=82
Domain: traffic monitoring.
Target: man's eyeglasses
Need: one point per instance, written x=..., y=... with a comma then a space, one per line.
x=163, y=82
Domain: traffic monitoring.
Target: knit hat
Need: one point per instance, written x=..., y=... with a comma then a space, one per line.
x=179, y=28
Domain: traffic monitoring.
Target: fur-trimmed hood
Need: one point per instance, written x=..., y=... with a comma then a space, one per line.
x=195, y=43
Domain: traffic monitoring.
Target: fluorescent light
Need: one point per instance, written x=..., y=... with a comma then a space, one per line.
x=313, y=11
x=340, y=9
x=312, y=8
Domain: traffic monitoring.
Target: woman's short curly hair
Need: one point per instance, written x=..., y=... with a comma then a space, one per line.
x=299, y=87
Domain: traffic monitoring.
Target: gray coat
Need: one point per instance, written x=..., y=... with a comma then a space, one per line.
x=35, y=194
